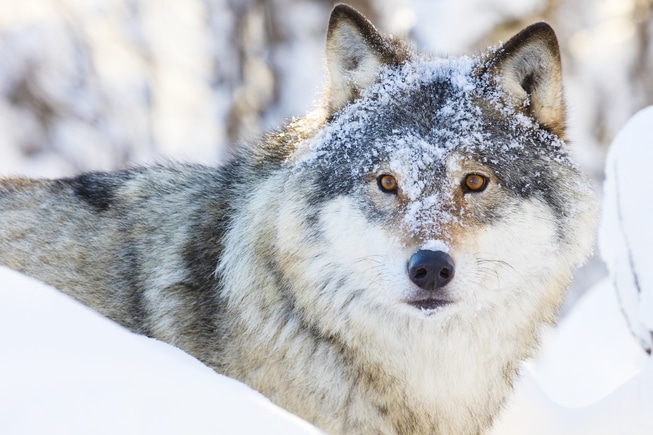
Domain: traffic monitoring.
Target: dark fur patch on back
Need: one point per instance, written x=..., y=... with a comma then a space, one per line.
x=96, y=189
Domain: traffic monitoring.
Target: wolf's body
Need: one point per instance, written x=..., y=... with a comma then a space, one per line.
x=379, y=266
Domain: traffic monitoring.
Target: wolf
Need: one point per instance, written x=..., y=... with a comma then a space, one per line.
x=380, y=265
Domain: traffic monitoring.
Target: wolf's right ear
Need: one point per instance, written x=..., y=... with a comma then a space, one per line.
x=355, y=52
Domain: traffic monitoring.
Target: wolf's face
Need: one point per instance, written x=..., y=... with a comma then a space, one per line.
x=437, y=194
x=433, y=195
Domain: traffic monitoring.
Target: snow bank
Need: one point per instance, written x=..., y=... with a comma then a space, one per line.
x=626, y=236
x=594, y=375
x=64, y=369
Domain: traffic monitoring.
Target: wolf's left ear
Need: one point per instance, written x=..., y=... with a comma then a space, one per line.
x=529, y=68
x=355, y=53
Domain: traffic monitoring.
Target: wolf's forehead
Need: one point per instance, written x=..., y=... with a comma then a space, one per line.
x=422, y=98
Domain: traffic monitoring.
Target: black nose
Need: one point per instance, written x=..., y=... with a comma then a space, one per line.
x=430, y=270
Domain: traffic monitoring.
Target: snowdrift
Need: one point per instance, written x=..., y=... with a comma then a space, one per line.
x=64, y=369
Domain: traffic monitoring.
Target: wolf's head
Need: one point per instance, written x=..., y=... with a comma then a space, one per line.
x=434, y=218
x=438, y=184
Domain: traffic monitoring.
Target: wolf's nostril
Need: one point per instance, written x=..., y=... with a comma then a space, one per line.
x=430, y=270
x=421, y=273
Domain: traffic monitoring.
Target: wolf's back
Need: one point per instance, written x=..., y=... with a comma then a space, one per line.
x=135, y=245
x=47, y=231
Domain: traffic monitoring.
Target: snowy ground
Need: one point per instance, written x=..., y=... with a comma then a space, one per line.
x=65, y=369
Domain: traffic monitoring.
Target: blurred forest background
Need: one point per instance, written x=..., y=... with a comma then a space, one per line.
x=100, y=84
x=103, y=84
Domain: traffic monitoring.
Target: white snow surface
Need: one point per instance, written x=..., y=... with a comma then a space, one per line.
x=625, y=235
x=64, y=369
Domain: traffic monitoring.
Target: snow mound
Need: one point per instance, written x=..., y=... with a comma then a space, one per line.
x=626, y=235
x=64, y=369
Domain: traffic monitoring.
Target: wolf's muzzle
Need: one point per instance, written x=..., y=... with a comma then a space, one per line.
x=430, y=270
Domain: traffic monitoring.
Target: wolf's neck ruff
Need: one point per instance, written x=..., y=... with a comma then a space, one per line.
x=378, y=266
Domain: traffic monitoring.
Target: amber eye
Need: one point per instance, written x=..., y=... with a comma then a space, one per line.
x=387, y=183
x=475, y=183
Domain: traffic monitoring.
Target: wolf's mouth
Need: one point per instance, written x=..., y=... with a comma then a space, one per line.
x=429, y=304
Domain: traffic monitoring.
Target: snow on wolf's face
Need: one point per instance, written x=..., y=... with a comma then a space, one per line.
x=435, y=193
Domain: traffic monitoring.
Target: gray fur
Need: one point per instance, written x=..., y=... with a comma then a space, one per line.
x=286, y=268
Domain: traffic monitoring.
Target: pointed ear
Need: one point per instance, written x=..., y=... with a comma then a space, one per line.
x=355, y=53
x=528, y=67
